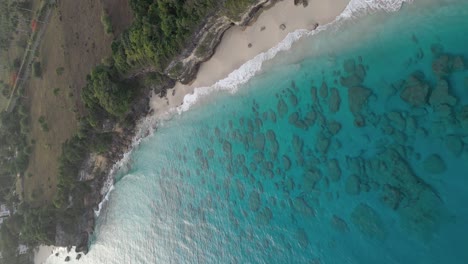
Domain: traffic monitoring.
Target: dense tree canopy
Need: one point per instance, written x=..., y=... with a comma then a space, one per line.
x=103, y=91
x=160, y=30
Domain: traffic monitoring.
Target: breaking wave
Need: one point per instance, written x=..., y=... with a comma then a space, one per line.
x=355, y=8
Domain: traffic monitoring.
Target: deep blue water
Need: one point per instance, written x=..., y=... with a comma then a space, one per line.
x=352, y=147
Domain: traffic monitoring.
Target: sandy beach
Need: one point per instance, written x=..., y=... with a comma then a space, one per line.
x=241, y=44
x=42, y=253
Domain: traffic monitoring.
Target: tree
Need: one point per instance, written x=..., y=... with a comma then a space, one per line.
x=103, y=91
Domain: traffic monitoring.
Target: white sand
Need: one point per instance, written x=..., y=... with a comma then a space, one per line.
x=233, y=51
x=42, y=253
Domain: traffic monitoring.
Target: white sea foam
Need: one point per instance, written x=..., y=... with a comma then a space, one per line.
x=147, y=126
x=355, y=8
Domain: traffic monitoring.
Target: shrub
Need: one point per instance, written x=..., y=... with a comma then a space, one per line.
x=16, y=63
x=56, y=91
x=44, y=125
x=106, y=22
x=59, y=71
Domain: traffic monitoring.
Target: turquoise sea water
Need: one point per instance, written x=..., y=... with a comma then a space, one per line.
x=352, y=147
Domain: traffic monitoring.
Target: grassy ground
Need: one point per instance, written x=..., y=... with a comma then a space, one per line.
x=73, y=43
x=7, y=58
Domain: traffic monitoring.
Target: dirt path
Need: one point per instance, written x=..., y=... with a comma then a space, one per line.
x=25, y=68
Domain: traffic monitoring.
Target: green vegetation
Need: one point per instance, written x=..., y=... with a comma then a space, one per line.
x=106, y=22
x=161, y=29
x=56, y=91
x=8, y=22
x=103, y=91
x=44, y=125
x=6, y=89
x=59, y=71
x=235, y=8
x=16, y=64
x=37, y=69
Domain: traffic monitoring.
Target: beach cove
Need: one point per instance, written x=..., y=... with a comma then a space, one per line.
x=349, y=147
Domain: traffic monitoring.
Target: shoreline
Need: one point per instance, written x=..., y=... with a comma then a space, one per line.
x=241, y=44
x=264, y=32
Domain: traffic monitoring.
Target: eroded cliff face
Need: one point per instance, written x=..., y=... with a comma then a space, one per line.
x=185, y=67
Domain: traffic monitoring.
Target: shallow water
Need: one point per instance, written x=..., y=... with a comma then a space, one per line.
x=350, y=148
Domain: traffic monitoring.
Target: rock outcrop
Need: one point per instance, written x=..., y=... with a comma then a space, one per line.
x=415, y=91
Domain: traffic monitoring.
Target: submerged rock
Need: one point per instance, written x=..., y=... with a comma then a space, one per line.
x=415, y=91
x=397, y=120
x=313, y=92
x=210, y=153
x=357, y=97
x=434, y=164
x=293, y=118
x=349, y=66
x=334, y=127
x=286, y=162
x=293, y=100
x=359, y=121
x=240, y=189
x=323, y=92
x=272, y=116
x=301, y=206
x=339, y=224
x=423, y=209
x=288, y=185
x=254, y=201
x=360, y=71
x=282, y=108
x=227, y=147
x=274, y=148
x=423, y=216
x=440, y=95
x=270, y=135
x=334, y=101
x=351, y=81
x=445, y=64
x=259, y=141
x=391, y=196
x=310, y=118
x=368, y=222
x=258, y=124
x=322, y=144
x=334, y=171
x=352, y=185
x=311, y=178
x=258, y=157
x=297, y=144
x=264, y=216
x=302, y=238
